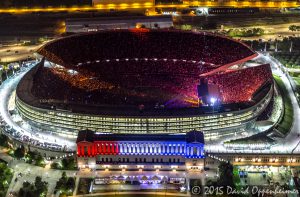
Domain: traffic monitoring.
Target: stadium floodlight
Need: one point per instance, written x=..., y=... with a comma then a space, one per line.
x=213, y=100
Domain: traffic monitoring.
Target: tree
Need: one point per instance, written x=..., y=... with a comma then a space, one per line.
x=292, y=28
x=41, y=186
x=35, y=158
x=68, y=163
x=226, y=174
x=20, y=152
x=3, y=138
x=70, y=183
x=38, y=189
x=6, y=175
x=65, y=184
x=39, y=160
x=64, y=175
x=55, y=165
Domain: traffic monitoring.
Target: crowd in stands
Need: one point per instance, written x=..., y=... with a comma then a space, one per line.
x=122, y=44
x=172, y=83
x=147, y=82
x=238, y=86
x=150, y=68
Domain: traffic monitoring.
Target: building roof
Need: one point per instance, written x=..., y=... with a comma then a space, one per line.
x=85, y=136
x=195, y=137
x=190, y=137
x=122, y=19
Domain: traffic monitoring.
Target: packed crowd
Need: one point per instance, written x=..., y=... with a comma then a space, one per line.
x=148, y=82
x=151, y=82
x=150, y=68
x=74, y=50
x=238, y=86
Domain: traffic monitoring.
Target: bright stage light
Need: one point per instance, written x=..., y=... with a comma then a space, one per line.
x=213, y=100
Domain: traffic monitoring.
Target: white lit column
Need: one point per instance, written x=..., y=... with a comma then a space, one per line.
x=121, y=148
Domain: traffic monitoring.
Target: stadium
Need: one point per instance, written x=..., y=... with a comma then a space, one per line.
x=145, y=82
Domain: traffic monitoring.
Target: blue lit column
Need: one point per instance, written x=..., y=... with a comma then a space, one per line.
x=126, y=148
x=130, y=148
x=121, y=148
x=187, y=151
x=147, y=148
x=159, y=149
x=138, y=148
x=150, y=145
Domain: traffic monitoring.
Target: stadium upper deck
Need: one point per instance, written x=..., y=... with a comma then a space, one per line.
x=144, y=81
x=143, y=68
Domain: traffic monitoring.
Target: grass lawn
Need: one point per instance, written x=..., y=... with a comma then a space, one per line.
x=290, y=60
x=297, y=80
x=285, y=124
x=236, y=178
x=257, y=138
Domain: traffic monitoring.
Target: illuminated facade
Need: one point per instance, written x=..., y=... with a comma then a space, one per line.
x=128, y=4
x=170, y=111
x=98, y=24
x=215, y=125
x=100, y=151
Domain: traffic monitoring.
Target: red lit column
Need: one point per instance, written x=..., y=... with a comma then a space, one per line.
x=108, y=149
x=82, y=150
x=89, y=151
x=78, y=150
x=93, y=150
x=113, y=148
x=104, y=148
x=97, y=148
x=117, y=149
x=100, y=149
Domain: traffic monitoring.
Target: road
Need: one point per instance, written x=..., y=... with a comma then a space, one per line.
x=272, y=32
x=17, y=52
x=295, y=70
